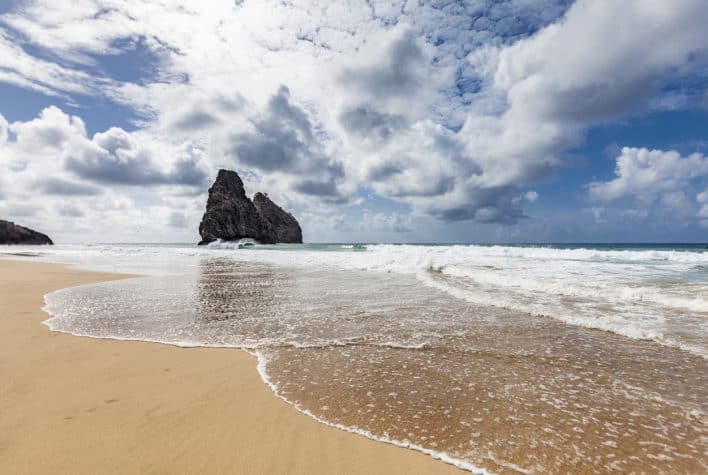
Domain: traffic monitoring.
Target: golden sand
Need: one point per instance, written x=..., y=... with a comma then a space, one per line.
x=79, y=405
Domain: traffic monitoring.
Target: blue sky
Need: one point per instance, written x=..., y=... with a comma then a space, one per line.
x=513, y=121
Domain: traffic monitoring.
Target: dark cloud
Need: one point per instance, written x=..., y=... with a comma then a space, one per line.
x=200, y=113
x=398, y=75
x=366, y=122
x=428, y=161
x=195, y=120
x=137, y=170
x=267, y=153
x=607, y=98
x=317, y=188
x=186, y=171
x=486, y=205
x=56, y=186
x=326, y=190
x=117, y=159
x=284, y=140
x=70, y=211
x=384, y=171
x=282, y=112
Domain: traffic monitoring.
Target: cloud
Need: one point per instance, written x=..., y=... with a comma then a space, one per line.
x=488, y=205
x=70, y=211
x=702, y=199
x=659, y=182
x=57, y=186
x=451, y=110
x=3, y=129
x=283, y=140
x=50, y=166
x=177, y=220
x=317, y=188
x=368, y=123
x=597, y=213
x=51, y=132
x=537, y=97
x=116, y=157
x=564, y=79
x=644, y=172
x=27, y=71
x=196, y=119
x=391, y=67
x=196, y=112
x=12, y=211
x=378, y=222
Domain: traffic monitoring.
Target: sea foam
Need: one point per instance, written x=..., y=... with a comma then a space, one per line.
x=431, y=347
x=657, y=294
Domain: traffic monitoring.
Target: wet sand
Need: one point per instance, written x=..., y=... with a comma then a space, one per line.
x=80, y=405
x=385, y=355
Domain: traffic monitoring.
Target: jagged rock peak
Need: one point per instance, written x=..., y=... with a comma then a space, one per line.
x=229, y=184
x=11, y=233
x=230, y=215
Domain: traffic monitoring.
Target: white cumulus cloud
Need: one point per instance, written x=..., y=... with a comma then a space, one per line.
x=454, y=111
x=644, y=172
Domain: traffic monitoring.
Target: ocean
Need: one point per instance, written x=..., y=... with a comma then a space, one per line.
x=496, y=358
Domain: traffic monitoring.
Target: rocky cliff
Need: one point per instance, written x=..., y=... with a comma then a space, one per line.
x=230, y=215
x=279, y=224
x=11, y=233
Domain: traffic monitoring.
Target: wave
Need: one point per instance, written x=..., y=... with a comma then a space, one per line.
x=442, y=456
x=625, y=275
x=631, y=323
x=646, y=294
x=244, y=243
x=655, y=294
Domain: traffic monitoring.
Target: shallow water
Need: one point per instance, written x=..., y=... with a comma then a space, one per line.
x=413, y=355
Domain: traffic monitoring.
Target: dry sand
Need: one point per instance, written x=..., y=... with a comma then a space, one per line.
x=78, y=405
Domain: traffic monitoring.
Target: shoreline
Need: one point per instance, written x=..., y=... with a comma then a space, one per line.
x=79, y=404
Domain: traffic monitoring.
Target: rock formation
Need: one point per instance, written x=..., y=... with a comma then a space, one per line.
x=230, y=215
x=279, y=224
x=11, y=233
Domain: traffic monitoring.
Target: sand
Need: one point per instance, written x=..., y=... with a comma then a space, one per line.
x=80, y=405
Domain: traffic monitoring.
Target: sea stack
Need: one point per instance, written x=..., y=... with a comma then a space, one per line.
x=230, y=215
x=281, y=225
x=11, y=233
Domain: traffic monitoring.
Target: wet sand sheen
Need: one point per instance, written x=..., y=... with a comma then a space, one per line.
x=78, y=405
x=539, y=415
x=384, y=354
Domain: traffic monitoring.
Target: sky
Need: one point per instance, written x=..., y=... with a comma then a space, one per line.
x=372, y=121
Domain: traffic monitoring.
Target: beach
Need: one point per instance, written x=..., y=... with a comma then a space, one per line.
x=361, y=237
x=79, y=405
x=341, y=358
